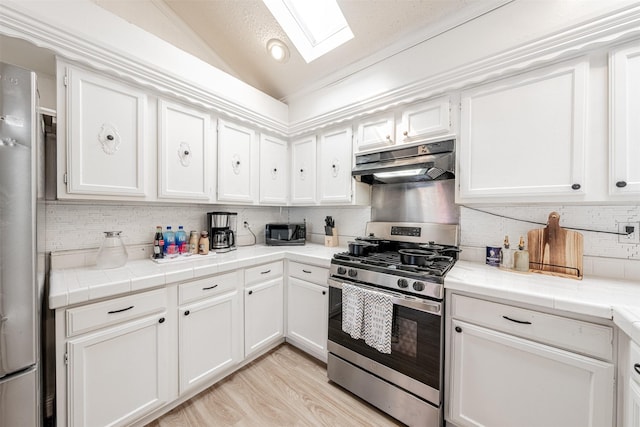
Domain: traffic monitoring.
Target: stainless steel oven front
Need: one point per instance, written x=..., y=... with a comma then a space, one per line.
x=405, y=383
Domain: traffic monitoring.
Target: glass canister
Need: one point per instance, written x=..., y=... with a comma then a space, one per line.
x=112, y=253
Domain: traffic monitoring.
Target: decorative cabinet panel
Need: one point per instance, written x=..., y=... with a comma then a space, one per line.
x=624, y=168
x=210, y=337
x=237, y=163
x=376, y=133
x=117, y=375
x=184, y=136
x=307, y=305
x=303, y=170
x=263, y=311
x=334, y=166
x=105, y=136
x=426, y=119
x=274, y=170
x=524, y=138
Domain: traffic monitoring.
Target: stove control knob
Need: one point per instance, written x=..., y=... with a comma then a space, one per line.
x=418, y=286
x=352, y=272
x=342, y=270
x=402, y=283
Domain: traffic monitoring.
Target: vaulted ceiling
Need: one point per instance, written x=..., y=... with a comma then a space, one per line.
x=232, y=35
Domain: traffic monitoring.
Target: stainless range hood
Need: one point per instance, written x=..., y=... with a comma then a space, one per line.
x=428, y=161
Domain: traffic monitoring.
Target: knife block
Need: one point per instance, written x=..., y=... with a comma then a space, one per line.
x=332, y=240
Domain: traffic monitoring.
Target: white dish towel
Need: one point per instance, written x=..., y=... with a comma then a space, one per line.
x=378, y=320
x=368, y=315
x=352, y=310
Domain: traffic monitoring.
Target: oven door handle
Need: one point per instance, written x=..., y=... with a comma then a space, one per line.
x=420, y=304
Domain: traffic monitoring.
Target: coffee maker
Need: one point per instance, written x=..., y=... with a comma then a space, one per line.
x=222, y=231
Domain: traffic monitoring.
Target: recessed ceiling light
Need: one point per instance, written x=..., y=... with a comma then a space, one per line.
x=278, y=50
x=314, y=27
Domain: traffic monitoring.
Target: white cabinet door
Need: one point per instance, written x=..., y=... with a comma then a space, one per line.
x=237, y=163
x=307, y=316
x=105, y=136
x=497, y=379
x=303, y=171
x=119, y=374
x=183, y=160
x=334, y=166
x=624, y=169
x=523, y=138
x=263, y=311
x=376, y=132
x=632, y=404
x=425, y=119
x=274, y=170
x=210, y=338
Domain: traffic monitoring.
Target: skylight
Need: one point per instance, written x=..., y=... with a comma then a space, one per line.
x=315, y=27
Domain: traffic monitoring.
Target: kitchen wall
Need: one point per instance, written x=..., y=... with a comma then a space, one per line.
x=603, y=254
x=75, y=226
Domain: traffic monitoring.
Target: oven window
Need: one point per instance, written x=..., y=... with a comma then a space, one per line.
x=415, y=341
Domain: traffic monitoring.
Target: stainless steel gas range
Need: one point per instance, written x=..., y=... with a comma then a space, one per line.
x=403, y=264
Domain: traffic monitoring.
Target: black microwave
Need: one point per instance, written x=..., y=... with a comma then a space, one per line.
x=285, y=234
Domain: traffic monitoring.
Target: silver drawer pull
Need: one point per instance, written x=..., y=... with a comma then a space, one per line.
x=265, y=272
x=306, y=271
x=210, y=287
x=120, y=311
x=522, y=322
x=636, y=367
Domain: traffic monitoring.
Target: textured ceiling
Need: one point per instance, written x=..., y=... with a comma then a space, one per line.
x=232, y=35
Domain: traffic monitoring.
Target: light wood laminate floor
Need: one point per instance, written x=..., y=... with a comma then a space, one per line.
x=285, y=387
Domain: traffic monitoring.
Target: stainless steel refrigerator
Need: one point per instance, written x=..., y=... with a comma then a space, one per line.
x=22, y=265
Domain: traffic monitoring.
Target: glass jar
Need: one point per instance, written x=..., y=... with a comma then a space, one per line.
x=112, y=253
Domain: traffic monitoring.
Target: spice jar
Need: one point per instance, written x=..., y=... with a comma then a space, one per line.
x=203, y=244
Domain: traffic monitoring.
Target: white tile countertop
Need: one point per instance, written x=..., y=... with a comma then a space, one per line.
x=71, y=286
x=593, y=296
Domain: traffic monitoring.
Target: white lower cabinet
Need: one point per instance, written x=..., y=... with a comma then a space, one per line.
x=263, y=307
x=118, y=374
x=210, y=329
x=499, y=376
x=629, y=382
x=307, y=305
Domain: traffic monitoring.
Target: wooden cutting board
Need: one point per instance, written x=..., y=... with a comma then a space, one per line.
x=555, y=250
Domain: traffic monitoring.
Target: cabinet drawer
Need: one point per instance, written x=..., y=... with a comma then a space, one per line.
x=212, y=285
x=309, y=273
x=98, y=315
x=583, y=337
x=262, y=272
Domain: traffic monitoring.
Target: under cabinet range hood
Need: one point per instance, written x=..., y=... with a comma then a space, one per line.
x=427, y=161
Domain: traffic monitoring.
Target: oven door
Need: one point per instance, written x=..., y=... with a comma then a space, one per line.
x=416, y=346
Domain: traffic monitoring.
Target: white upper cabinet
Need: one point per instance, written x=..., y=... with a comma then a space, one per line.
x=334, y=166
x=376, y=132
x=237, y=163
x=425, y=119
x=624, y=169
x=523, y=138
x=105, y=132
x=184, y=137
x=274, y=170
x=303, y=170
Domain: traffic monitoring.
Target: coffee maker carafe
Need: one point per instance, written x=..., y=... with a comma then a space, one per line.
x=222, y=231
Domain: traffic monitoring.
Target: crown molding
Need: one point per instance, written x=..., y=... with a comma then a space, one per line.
x=74, y=48
x=605, y=31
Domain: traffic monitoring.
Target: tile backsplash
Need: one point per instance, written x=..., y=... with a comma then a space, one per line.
x=80, y=225
x=604, y=255
x=75, y=226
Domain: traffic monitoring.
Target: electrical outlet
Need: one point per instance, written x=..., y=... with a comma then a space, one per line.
x=634, y=237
